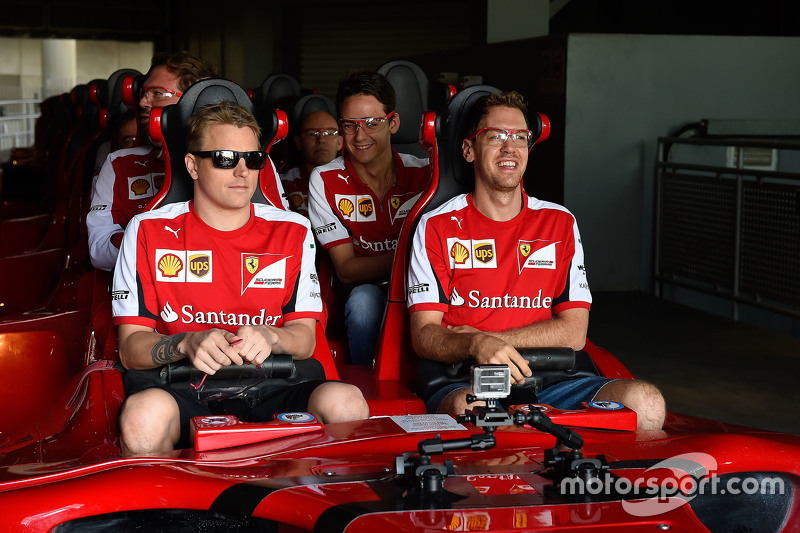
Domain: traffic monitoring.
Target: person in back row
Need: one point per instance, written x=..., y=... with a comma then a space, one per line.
x=503, y=270
x=123, y=132
x=129, y=178
x=219, y=281
x=358, y=202
x=318, y=141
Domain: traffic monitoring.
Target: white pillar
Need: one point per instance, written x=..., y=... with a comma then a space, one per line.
x=59, y=66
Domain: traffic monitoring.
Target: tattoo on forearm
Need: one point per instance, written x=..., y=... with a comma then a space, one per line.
x=166, y=350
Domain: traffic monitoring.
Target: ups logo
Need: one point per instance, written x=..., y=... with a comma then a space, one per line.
x=365, y=207
x=484, y=252
x=200, y=265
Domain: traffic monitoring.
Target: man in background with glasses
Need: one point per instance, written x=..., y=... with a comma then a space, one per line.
x=129, y=178
x=179, y=295
x=503, y=271
x=318, y=141
x=358, y=203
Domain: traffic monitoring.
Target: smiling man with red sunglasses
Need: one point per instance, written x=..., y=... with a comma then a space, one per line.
x=510, y=274
x=218, y=281
x=129, y=178
x=358, y=202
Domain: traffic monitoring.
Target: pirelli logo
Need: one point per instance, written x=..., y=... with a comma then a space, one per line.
x=325, y=229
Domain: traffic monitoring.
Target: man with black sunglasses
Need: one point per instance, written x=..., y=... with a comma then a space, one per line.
x=358, y=203
x=129, y=178
x=219, y=281
x=496, y=270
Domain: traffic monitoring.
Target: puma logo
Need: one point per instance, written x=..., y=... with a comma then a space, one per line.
x=143, y=163
x=343, y=177
x=175, y=231
x=457, y=221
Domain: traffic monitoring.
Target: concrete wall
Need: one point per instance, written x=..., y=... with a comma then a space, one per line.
x=623, y=92
x=66, y=62
x=508, y=20
x=99, y=59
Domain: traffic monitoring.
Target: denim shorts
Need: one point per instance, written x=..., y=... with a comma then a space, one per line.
x=566, y=395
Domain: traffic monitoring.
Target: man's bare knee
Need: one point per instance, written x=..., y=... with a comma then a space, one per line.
x=338, y=402
x=149, y=423
x=642, y=397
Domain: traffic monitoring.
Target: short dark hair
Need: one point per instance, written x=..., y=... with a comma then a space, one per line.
x=496, y=99
x=187, y=67
x=225, y=112
x=369, y=83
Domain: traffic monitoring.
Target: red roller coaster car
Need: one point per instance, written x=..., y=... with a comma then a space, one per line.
x=532, y=467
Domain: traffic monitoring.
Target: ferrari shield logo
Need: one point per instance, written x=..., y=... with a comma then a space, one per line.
x=394, y=202
x=525, y=249
x=251, y=263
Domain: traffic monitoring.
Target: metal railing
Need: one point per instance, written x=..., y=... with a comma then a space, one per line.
x=17, y=124
x=728, y=230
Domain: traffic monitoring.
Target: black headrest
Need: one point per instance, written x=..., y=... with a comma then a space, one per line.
x=114, y=103
x=90, y=117
x=276, y=91
x=131, y=89
x=415, y=95
x=168, y=126
x=311, y=103
x=456, y=176
x=78, y=99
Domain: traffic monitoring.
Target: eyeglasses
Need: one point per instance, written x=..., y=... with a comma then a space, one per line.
x=158, y=94
x=369, y=124
x=321, y=134
x=228, y=159
x=498, y=137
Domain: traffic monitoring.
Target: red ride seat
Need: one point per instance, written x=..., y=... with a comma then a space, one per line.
x=442, y=137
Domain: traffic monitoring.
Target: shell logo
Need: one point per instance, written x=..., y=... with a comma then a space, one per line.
x=296, y=200
x=455, y=523
x=346, y=207
x=170, y=265
x=140, y=186
x=460, y=253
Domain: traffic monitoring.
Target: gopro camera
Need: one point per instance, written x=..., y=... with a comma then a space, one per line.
x=491, y=382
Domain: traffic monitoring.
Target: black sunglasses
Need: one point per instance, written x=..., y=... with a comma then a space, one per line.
x=228, y=159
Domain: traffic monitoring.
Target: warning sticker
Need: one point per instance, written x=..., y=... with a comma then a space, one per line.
x=422, y=423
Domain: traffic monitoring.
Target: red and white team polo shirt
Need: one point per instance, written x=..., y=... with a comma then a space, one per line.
x=344, y=209
x=295, y=183
x=127, y=181
x=175, y=273
x=496, y=275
